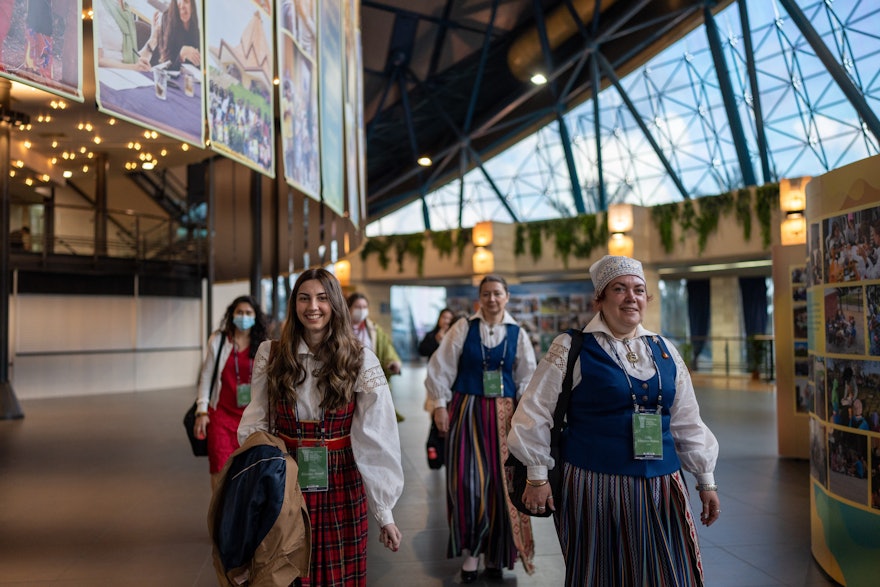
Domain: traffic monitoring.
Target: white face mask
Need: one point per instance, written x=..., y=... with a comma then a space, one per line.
x=358, y=315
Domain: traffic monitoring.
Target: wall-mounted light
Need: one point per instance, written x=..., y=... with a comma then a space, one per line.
x=793, y=201
x=620, y=218
x=620, y=245
x=481, y=234
x=620, y=221
x=342, y=269
x=793, y=230
x=483, y=261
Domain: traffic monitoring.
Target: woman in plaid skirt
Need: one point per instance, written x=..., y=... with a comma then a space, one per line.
x=331, y=404
x=474, y=379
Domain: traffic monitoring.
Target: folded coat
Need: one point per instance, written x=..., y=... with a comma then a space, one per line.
x=257, y=519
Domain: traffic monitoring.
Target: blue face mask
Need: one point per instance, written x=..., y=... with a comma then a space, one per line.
x=244, y=322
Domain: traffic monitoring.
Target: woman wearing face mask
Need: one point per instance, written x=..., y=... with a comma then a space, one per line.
x=373, y=337
x=219, y=410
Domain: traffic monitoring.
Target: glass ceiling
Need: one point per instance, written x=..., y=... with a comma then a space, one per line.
x=809, y=125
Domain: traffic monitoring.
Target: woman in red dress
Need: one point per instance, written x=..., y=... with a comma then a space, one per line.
x=231, y=350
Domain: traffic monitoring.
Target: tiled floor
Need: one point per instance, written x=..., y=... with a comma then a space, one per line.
x=103, y=491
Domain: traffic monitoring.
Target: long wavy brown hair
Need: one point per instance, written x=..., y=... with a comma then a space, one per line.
x=339, y=352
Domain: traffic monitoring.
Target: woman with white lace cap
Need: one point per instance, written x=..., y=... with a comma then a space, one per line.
x=633, y=423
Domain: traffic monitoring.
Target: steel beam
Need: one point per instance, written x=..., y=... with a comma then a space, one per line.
x=736, y=128
x=838, y=73
x=756, y=95
x=601, y=197
x=612, y=77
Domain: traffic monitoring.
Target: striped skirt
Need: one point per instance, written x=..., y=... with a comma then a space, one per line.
x=619, y=530
x=476, y=497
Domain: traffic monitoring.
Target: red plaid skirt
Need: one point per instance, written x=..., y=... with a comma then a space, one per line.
x=338, y=515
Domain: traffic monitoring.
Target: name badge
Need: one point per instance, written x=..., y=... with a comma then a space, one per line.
x=243, y=394
x=312, y=463
x=647, y=436
x=493, y=386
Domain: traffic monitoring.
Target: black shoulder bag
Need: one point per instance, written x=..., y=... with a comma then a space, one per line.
x=516, y=471
x=200, y=445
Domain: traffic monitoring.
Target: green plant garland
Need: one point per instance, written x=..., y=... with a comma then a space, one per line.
x=664, y=216
x=766, y=200
x=580, y=235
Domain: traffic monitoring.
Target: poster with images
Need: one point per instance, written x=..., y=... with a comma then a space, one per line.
x=875, y=473
x=298, y=69
x=353, y=124
x=818, y=405
x=148, y=65
x=818, y=453
x=41, y=45
x=814, y=257
x=543, y=310
x=330, y=58
x=851, y=400
x=848, y=465
x=240, y=74
x=845, y=320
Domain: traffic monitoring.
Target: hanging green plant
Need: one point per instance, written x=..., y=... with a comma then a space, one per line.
x=565, y=236
x=443, y=241
x=686, y=218
x=377, y=246
x=412, y=245
x=766, y=200
x=664, y=217
x=462, y=240
x=711, y=210
x=595, y=232
x=744, y=212
x=536, y=239
x=519, y=243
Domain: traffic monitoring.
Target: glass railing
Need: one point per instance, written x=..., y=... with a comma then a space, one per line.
x=70, y=230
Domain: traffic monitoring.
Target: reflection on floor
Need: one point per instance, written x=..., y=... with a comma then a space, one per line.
x=103, y=491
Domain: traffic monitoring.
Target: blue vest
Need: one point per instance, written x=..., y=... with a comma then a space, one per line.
x=599, y=435
x=470, y=365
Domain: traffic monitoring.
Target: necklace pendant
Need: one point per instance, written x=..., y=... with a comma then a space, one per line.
x=632, y=358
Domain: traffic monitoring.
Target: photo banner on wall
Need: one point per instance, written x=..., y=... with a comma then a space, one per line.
x=330, y=47
x=148, y=60
x=353, y=110
x=297, y=55
x=41, y=45
x=240, y=73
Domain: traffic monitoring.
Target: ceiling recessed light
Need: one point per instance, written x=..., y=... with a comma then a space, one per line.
x=539, y=79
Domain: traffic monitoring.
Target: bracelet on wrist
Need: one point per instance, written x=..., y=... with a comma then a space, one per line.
x=201, y=414
x=538, y=483
x=707, y=487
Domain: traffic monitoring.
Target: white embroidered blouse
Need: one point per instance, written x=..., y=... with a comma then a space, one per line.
x=443, y=365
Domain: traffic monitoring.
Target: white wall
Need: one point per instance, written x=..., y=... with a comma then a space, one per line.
x=69, y=345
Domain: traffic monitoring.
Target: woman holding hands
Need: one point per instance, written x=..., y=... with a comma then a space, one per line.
x=474, y=379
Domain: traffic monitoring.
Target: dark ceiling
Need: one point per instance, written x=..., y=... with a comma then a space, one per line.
x=438, y=81
x=438, y=76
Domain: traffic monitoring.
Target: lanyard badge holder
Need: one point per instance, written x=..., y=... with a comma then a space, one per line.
x=242, y=390
x=313, y=474
x=647, y=429
x=647, y=423
x=493, y=381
